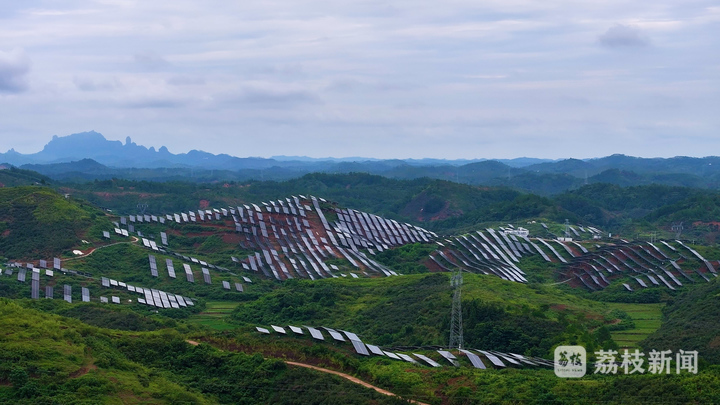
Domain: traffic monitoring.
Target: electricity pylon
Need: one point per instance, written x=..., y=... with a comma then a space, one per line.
x=456, y=323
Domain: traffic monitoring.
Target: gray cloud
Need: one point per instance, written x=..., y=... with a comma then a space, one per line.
x=14, y=67
x=150, y=61
x=276, y=97
x=623, y=36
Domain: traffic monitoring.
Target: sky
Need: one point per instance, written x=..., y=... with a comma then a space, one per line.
x=384, y=79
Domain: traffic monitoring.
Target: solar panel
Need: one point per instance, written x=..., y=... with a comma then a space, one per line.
x=170, y=268
x=21, y=275
x=226, y=285
x=427, y=360
x=56, y=264
x=206, y=275
x=262, y=330
x=104, y=300
x=153, y=264
x=67, y=293
x=392, y=355
x=48, y=292
x=449, y=356
x=315, y=333
x=335, y=335
x=115, y=300
x=407, y=358
x=35, y=290
x=247, y=280
x=296, y=330
x=43, y=264
x=493, y=359
x=279, y=329
x=360, y=347
x=352, y=336
x=238, y=287
x=113, y=283
x=105, y=282
x=474, y=359
x=106, y=234
x=85, y=294
x=374, y=349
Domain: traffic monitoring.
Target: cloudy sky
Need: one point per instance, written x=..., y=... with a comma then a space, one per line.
x=450, y=79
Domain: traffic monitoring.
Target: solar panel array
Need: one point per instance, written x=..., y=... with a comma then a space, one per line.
x=206, y=275
x=85, y=295
x=489, y=252
x=495, y=358
x=67, y=293
x=288, y=243
x=646, y=264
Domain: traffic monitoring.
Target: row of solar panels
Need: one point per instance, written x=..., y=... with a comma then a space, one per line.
x=43, y=264
x=22, y=273
x=152, y=297
x=189, y=273
x=497, y=359
x=637, y=261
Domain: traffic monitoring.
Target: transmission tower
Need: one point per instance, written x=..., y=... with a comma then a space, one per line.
x=456, y=323
x=567, y=229
x=678, y=228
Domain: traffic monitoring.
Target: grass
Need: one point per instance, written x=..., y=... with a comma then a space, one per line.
x=647, y=319
x=215, y=316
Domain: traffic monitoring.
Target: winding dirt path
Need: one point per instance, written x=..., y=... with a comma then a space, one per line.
x=337, y=373
x=349, y=378
x=93, y=250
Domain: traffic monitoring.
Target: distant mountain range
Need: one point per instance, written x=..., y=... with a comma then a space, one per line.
x=89, y=156
x=93, y=145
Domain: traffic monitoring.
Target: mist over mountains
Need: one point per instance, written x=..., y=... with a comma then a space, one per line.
x=89, y=156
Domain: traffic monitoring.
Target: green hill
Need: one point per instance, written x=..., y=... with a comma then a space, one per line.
x=11, y=176
x=414, y=310
x=691, y=323
x=39, y=222
x=51, y=359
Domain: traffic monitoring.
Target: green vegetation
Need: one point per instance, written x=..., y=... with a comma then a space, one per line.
x=638, y=321
x=690, y=323
x=38, y=222
x=413, y=310
x=49, y=359
x=55, y=352
x=215, y=316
